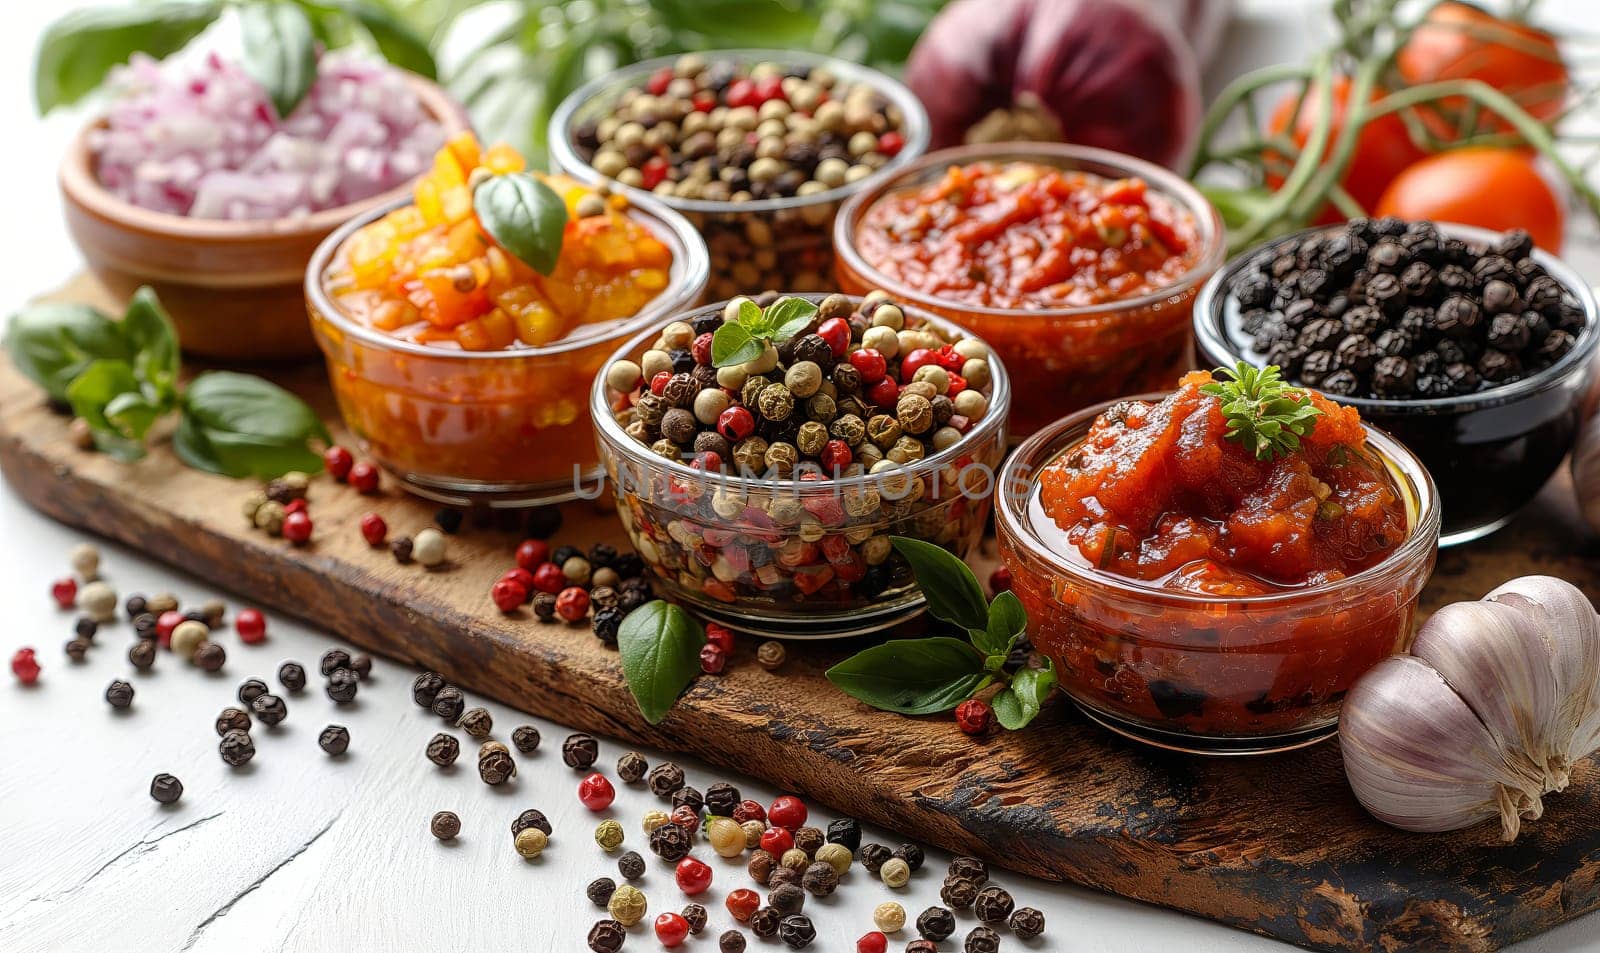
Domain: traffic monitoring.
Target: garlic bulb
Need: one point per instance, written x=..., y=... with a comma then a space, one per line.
x=1485, y=717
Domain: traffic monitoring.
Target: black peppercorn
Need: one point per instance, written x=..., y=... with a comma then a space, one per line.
x=1383, y=291
x=982, y=940
x=165, y=788
x=1386, y=256
x=144, y=626
x=820, y=879
x=606, y=936
x=449, y=703
x=607, y=623
x=476, y=722
x=669, y=842
x=85, y=628
x=873, y=856
x=958, y=893
x=783, y=875
x=250, y=689
x=993, y=904
x=543, y=522
x=969, y=868
x=696, y=916
x=764, y=923
x=544, y=606
x=786, y=898
x=495, y=766
x=119, y=694
x=911, y=854
x=534, y=818
x=1393, y=376
x=361, y=665
x=445, y=825
x=1027, y=923
x=922, y=946
x=232, y=719
x=665, y=778
x=269, y=709
x=526, y=739
x=600, y=890
x=580, y=751
x=342, y=685
x=1500, y=296
x=449, y=520
x=796, y=931
x=1498, y=366
x=731, y=941
x=1492, y=268
x=292, y=676
x=630, y=865
x=136, y=606
x=401, y=548
x=936, y=924
x=1418, y=280
x=333, y=660
x=844, y=830
x=335, y=739
x=77, y=649
x=721, y=799
x=1317, y=366
x=236, y=748
x=142, y=654
x=689, y=797
x=425, y=688
x=443, y=749
x=1554, y=346
x=1508, y=332
x=631, y=767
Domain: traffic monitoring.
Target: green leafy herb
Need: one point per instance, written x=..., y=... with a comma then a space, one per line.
x=746, y=337
x=1264, y=414
x=394, y=38
x=660, y=646
x=121, y=378
x=912, y=676
x=280, y=51
x=934, y=674
x=524, y=216
x=78, y=50
x=54, y=342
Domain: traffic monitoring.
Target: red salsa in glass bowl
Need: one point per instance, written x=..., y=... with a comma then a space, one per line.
x=1199, y=595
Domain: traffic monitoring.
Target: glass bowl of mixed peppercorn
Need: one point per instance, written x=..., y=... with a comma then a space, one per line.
x=758, y=148
x=764, y=451
x=1474, y=348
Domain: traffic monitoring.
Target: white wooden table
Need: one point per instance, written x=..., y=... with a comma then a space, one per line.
x=300, y=852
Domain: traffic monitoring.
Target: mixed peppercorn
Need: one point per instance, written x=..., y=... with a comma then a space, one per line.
x=1382, y=308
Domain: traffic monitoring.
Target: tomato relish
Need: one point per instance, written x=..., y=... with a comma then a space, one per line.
x=1157, y=492
x=429, y=273
x=1026, y=235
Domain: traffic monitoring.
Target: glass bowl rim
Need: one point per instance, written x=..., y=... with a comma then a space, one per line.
x=610, y=433
x=1211, y=337
x=686, y=282
x=915, y=127
x=1419, y=543
x=1168, y=183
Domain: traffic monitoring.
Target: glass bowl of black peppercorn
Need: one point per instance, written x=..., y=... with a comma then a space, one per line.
x=1473, y=347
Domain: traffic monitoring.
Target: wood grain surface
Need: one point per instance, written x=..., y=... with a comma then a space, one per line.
x=1274, y=845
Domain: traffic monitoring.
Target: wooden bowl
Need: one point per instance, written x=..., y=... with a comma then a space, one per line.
x=235, y=289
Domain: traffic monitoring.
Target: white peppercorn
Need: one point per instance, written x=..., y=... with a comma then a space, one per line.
x=623, y=376
x=187, y=636
x=971, y=404
x=428, y=547
x=98, y=601
x=85, y=559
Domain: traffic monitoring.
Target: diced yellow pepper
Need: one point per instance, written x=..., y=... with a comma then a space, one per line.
x=502, y=159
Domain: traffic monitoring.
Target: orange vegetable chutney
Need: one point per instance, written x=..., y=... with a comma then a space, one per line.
x=1025, y=235
x=1156, y=493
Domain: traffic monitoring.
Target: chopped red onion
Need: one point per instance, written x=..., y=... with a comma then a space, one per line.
x=201, y=139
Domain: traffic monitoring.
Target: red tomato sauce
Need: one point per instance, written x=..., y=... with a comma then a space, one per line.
x=1024, y=235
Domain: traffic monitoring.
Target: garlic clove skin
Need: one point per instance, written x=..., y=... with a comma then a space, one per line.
x=1565, y=616
x=1498, y=661
x=1419, y=759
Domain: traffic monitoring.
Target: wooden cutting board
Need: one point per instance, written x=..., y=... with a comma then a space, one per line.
x=1275, y=845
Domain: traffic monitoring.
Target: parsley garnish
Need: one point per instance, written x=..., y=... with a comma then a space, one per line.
x=1264, y=414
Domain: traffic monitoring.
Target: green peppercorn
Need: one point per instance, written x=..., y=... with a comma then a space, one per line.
x=883, y=430
x=811, y=438
x=627, y=905
x=531, y=843
x=609, y=835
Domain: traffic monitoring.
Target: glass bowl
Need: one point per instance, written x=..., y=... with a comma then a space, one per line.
x=502, y=428
x=806, y=558
x=760, y=245
x=1062, y=358
x=1203, y=673
x=1489, y=452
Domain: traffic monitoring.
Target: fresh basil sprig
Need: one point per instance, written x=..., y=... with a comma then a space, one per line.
x=524, y=216
x=928, y=675
x=121, y=377
x=746, y=337
x=660, y=646
x=279, y=40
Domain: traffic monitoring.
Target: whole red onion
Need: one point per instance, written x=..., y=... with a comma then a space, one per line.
x=1110, y=73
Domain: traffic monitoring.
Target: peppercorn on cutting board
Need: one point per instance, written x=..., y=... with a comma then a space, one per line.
x=1274, y=845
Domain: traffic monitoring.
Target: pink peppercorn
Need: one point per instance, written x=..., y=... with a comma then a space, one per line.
x=549, y=578
x=364, y=477
x=251, y=626
x=836, y=456
x=884, y=393
x=917, y=359
x=296, y=506
x=65, y=592
x=531, y=553
x=658, y=383
x=870, y=364
x=297, y=527
x=874, y=942
x=338, y=462
x=522, y=576
x=749, y=811
x=25, y=666
x=572, y=604
x=776, y=840
x=374, y=530
x=788, y=812
x=720, y=636
x=835, y=332
x=736, y=423
x=508, y=595
x=974, y=715
x=165, y=623
x=671, y=930
x=890, y=144
x=712, y=659
x=686, y=817
x=701, y=349
x=596, y=792
x=693, y=875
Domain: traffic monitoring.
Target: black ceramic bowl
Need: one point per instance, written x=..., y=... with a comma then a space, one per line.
x=1488, y=452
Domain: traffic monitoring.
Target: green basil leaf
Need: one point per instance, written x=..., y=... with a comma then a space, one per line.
x=660, y=646
x=524, y=216
x=133, y=414
x=767, y=24
x=398, y=43
x=732, y=344
x=79, y=49
x=948, y=584
x=912, y=676
x=92, y=391
x=242, y=455
x=53, y=343
x=154, y=340
x=190, y=443
x=750, y=313
x=244, y=404
x=1020, y=702
x=280, y=51
x=1007, y=620
x=789, y=316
